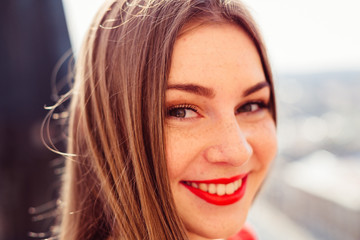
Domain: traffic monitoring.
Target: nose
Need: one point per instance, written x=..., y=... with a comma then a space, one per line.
x=228, y=144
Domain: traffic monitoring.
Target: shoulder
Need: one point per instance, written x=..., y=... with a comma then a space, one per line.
x=246, y=233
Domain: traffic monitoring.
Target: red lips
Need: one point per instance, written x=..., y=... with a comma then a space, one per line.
x=225, y=199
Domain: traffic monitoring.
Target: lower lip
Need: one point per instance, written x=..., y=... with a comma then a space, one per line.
x=220, y=200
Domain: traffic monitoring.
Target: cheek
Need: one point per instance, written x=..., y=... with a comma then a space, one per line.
x=181, y=149
x=264, y=143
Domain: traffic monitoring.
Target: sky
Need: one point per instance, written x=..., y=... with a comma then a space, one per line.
x=302, y=36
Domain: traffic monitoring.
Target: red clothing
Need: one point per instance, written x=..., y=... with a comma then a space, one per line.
x=246, y=233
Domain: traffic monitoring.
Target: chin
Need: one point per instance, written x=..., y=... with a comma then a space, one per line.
x=222, y=230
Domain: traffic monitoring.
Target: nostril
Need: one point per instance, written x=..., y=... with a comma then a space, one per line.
x=229, y=154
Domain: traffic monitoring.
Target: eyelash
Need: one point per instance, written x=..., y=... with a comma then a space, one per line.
x=261, y=105
x=181, y=106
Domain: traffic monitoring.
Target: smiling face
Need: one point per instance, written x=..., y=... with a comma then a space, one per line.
x=220, y=136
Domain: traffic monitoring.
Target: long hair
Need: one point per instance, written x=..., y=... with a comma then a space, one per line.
x=116, y=183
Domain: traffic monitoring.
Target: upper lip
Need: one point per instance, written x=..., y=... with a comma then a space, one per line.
x=220, y=180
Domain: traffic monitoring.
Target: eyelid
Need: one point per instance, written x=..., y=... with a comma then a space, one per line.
x=258, y=97
x=183, y=105
x=186, y=106
x=261, y=103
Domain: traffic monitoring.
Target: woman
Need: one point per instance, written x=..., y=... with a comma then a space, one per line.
x=172, y=126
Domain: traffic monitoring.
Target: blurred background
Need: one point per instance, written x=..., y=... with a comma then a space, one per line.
x=33, y=39
x=312, y=192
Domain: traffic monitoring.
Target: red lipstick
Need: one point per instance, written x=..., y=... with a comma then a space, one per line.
x=217, y=199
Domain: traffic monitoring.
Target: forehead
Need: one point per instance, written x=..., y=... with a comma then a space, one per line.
x=212, y=53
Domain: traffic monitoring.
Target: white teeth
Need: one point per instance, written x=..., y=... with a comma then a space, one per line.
x=218, y=189
x=239, y=182
x=229, y=188
x=203, y=186
x=212, y=188
x=236, y=184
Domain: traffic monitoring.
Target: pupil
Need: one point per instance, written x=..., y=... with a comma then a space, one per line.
x=180, y=113
x=248, y=108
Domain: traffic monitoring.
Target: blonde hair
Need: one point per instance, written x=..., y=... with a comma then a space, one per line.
x=116, y=184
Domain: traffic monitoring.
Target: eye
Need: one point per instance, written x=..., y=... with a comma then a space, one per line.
x=182, y=111
x=252, y=107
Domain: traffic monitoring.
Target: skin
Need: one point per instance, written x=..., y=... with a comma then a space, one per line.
x=220, y=132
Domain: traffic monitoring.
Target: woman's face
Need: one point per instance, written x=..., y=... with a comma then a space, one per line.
x=220, y=136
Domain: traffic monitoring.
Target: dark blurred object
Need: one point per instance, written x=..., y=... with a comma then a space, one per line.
x=33, y=37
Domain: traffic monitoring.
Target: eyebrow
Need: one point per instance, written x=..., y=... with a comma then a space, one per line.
x=195, y=89
x=256, y=88
x=210, y=93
